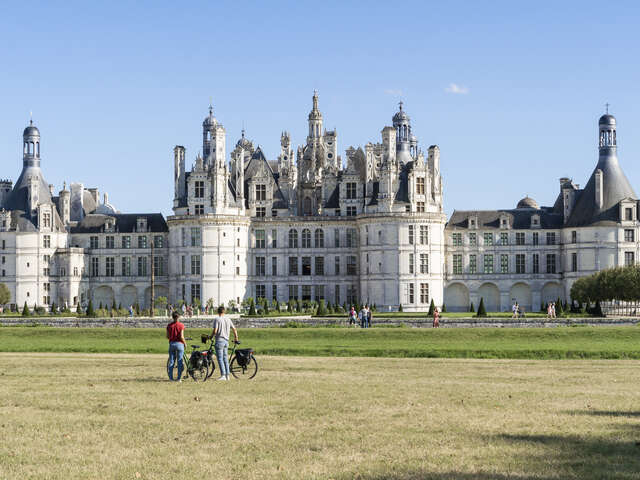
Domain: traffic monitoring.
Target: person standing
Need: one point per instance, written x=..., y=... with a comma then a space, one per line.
x=436, y=317
x=360, y=317
x=221, y=327
x=175, y=335
x=553, y=309
x=352, y=316
x=131, y=311
x=369, y=317
x=514, y=310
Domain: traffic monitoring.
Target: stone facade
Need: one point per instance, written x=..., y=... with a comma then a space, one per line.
x=311, y=226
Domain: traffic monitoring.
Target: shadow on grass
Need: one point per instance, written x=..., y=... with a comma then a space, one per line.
x=425, y=475
x=606, y=413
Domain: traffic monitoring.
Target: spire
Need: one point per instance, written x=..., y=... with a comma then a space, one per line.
x=315, y=100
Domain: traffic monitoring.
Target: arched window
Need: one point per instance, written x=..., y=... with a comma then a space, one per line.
x=306, y=206
x=25, y=148
x=293, y=238
x=306, y=238
x=38, y=148
x=319, y=238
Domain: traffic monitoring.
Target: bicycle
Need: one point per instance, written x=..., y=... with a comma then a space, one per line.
x=195, y=366
x=242, y=363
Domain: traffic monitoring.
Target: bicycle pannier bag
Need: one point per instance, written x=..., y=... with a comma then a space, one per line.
x=244, y=356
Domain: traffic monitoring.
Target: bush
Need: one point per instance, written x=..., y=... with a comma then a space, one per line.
x=559, y=309
x=90, y=312
x=400, y=308
x=25, y=310
x=482, y=312
x=597, y=310
x=321, y=308
x=252, y=307
x=444, y=308
x=432, y=308
x=471, y=309
x=54, y=309
x=5, y=294
x=543, y=307
x=294, y=324
x=78, y=309
x=39, y=310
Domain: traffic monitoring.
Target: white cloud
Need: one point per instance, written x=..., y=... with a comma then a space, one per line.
x=456, y=89
x=393, y=92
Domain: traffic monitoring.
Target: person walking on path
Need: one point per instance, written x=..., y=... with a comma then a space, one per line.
x=221, y=327
x=175, y=335
x=131, y=311
x=514, y=309
x=369, y=317
x=436, y=317
x=352, y=316
x=549, y=310
x=553, y=310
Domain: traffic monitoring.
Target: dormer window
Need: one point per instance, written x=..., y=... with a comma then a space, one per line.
x=628, y=214
x=141, y=224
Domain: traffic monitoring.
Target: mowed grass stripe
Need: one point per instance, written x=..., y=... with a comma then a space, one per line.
x=549, y=343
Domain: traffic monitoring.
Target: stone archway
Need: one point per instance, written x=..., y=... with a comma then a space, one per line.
x=491, y=295
x=551, y=292
x=158, y=291
x=456, y=297
x=128, y=296
x=103, y=295
x=521, y=293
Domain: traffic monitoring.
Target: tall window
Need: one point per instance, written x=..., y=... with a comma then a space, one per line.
x=420, y=185
x=628, y=213
x=520, y=259
x=306, y=265
x=109, y=241
x=574, y=262
x=410, y=293
x=319, y=291
x=551, y=263
x=274, y=266
x=519, y=238
x=199, y=209
x=306, y=238
x=126, y=241
x=306, y=292
x=628, y=235
x=46, y=220
x=46, y=241
x=351, y=265
x=456, y=238
x=95, y=267
x=195, y=292
x=629, y=258
x=535, y=238
x=336, y=237
x=574, y=236
x=196, y=238
x=93, y=242
x=473, y=239
x=424, y=263
x=504, y=238
x=274, y=239
x=261, y=269
x=351, y=237
x=336, y=295
x=198, y=189
x=274, y=293
x=319, y=238
x=488, y=264
x=424, y=234
x=319, y=266
x=182, y=265
x=420, y=207
x=336, y=266
x=142, y=242
x=261, y=241
x=411, y=263
x=293, y=238
x=293, y=265
x=488, y=239
x=261, y=193
x=261, y=211
x=551, y=238
x=424, y=293
x=142, y=266
x=293, y=292
x=411, y=234
x=158, y=266
x=457, y=264
x=158, y=241
x=110, y=266
x=126, y=266
x=351, y=190
x=351, y=211
x=536, y=263
x=504, y=263
x=473, y=266
x=261, y=291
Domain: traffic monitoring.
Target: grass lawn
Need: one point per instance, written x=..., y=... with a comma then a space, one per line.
x=76, y=416
x=534, y=343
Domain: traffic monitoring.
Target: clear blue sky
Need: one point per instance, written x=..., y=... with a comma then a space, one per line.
x=114, y=86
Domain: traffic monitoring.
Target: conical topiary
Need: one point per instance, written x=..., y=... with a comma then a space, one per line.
x=471, y=308
x=25, y=310
x=322, y=310
x=444, y=308
x=559, y=309
x=400, y=308
x=90, y=312
x=432, y=307
x=252, y=307
x=482, y=312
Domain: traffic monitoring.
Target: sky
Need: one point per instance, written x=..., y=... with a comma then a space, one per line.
x=510, y=91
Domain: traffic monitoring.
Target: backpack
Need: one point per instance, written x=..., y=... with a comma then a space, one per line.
x=244, y=356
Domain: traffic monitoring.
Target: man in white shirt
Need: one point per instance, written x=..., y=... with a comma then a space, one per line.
x=221, y=327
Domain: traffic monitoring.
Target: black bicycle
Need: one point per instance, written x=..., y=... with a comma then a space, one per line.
x=242, y=362
x=195, y=366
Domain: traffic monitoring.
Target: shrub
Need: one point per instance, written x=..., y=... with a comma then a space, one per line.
x=294, y=324
x=543, y=307
x=25, y=310
x=78, y=309
x=444, y=308
x=432, y=307
x=298, y=305
x=471, y=309
x=597, y=310
x=482, y=312
x=559, y=309
x=54, y=309
x=400, y=308
x=252, y=307
x=5, y=294
x=321, y=308
x=90, y=312
x=39, y=310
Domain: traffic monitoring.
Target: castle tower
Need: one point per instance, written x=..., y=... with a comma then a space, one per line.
x=178, y=172
x=402, y=125
x=213, y=141
x=31, y=146
x=315, y=121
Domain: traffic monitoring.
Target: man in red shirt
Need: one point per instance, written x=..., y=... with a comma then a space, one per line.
x=175, y=335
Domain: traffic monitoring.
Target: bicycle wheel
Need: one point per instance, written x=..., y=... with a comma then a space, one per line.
x=244, y=373
x=198, y=374
x=212, y=367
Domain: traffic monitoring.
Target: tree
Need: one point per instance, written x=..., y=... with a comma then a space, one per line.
x=25, y=310
x=290, y=306
x=298, y=305
x=322, y=310
x=432, y=307
x=54, y=309
x=482, y=312
x=252, y=307
x=444, y=308
x=5, y=294
x=90, y=312
x=559, y=309
x=471, y=309
x=400, y=308
x=597, y=311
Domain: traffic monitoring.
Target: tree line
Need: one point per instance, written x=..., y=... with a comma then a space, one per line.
x=618, y=283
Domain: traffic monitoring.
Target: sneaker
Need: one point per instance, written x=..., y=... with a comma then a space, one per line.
x=227, y=377
x=222, y=378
